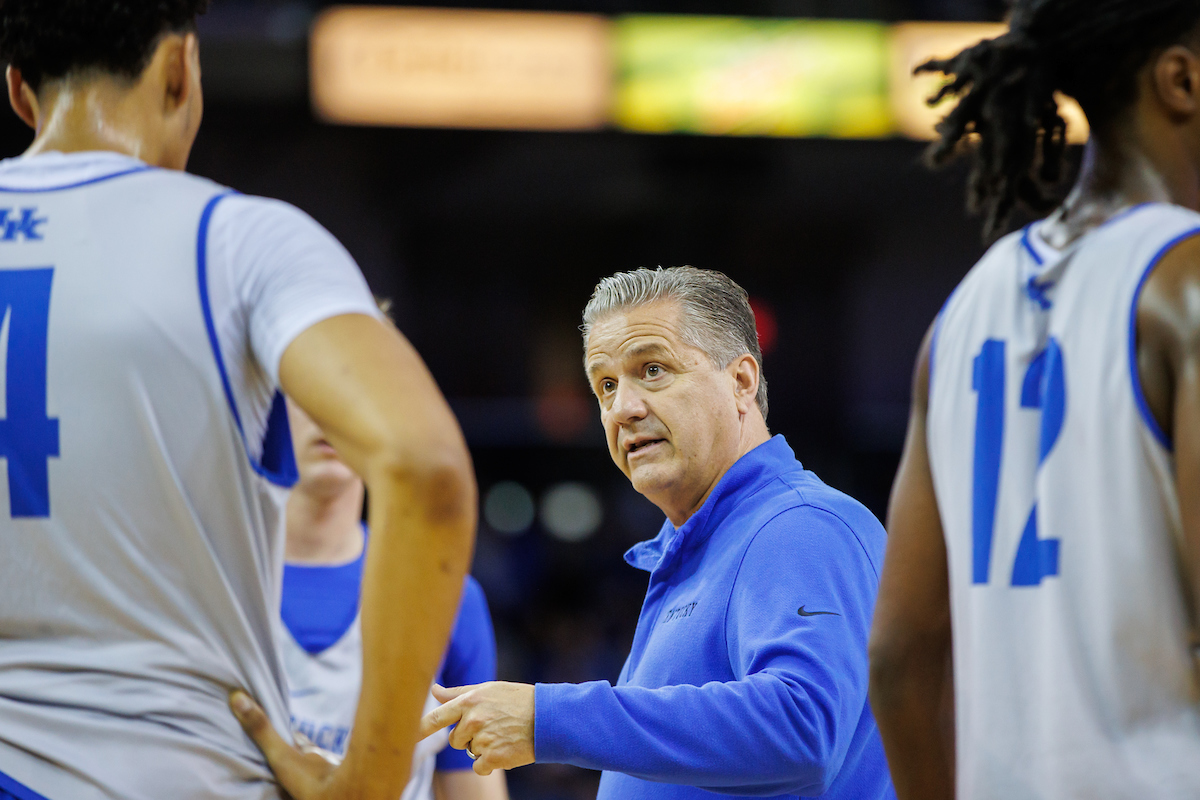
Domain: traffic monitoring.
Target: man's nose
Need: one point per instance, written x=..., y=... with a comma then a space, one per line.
x=628, y=404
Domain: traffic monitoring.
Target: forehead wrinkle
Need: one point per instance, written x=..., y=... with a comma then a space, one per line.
x=644, y=349
x=615, y=337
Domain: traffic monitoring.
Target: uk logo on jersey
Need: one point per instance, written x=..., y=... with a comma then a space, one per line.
x=15, y=223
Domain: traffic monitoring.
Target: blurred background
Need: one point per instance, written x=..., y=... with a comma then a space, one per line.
x=486, y=170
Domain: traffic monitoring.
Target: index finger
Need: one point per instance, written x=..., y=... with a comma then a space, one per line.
x=441, y=717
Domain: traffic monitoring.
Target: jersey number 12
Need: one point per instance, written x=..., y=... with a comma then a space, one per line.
x=28, y=437
x=1043, y=389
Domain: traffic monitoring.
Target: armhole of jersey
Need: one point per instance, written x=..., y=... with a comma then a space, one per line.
x=1135, y=378
x=278, y=461
x=937, y=329
x=19, y=791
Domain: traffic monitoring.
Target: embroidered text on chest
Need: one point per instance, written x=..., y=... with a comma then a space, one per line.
x=680, y=612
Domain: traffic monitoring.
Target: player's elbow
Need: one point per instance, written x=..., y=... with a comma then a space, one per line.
x=901, y=660
x=436, y=479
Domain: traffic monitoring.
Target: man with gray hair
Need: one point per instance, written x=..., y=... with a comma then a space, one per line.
x=748, y=673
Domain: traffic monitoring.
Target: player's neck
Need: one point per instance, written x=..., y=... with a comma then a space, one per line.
x=97, y=114
x=1137, y=163
x=324, y=528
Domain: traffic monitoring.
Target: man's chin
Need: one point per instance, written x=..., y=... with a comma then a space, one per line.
x=649, y=479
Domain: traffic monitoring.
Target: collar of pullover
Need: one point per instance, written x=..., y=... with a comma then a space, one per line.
x=747, y=475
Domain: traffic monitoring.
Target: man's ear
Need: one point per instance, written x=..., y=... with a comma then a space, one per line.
x=22, y=97
x=746, y=374
x=1176, y=79
x=176, y=59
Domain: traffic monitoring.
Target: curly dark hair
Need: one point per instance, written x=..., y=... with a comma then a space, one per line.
x=1091, y=50
x=53, y=38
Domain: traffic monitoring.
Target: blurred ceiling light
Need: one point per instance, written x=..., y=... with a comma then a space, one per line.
x=571, y=511
x=461, y=69
x=752, y=77
x=914, y=43
x=508, y=508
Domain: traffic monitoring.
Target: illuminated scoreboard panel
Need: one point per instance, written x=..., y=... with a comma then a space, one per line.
x=461, y=69
x=752, y=77
x=721, y=76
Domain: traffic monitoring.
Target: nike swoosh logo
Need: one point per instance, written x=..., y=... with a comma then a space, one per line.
x=804, y=613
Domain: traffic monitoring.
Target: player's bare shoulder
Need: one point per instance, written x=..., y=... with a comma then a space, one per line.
x=1168, y=325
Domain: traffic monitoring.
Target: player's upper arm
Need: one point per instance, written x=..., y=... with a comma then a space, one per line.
x=313, y=325
x=914, y=593
x=1168, y=355
x=287, y=273
x=372, y=396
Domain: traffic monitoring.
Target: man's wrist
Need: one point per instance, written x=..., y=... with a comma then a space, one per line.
x=555, y=740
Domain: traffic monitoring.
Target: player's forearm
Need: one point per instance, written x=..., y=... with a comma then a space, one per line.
x=760, y=735
x=466, y=785
x=912, y=699
x=422, y=522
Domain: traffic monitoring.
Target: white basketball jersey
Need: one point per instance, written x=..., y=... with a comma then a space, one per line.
x=1075, y=675
x=324, y=689
x=140, y=528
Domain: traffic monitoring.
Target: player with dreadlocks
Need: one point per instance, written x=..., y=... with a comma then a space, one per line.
x=1035, y=630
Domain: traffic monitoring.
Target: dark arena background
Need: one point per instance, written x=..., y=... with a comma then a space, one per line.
x=489, y=242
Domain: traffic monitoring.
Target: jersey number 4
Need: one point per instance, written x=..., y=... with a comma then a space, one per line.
x=28, y=437
x=1043, y=389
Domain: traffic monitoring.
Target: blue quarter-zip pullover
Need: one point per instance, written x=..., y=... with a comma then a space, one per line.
x=748, y=672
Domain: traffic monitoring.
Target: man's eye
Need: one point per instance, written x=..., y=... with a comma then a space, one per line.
x=608, y=386
x=653, y=371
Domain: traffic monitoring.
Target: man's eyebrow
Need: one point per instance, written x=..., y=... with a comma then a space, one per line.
x=648, y=349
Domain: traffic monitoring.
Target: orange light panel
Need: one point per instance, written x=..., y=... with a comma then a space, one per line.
x=461, y=69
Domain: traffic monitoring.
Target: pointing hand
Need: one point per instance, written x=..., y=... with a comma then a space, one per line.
x=494, y=723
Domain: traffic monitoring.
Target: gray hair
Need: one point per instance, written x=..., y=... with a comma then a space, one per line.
x=715, y=313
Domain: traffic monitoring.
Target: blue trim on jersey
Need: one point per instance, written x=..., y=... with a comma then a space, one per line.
x=1127, y=212
x=1033, y=290
x=1028, y=245
x=1134, y=376
x=17, y=791
x=278, y=462
x=89, y=181
x=278, y=457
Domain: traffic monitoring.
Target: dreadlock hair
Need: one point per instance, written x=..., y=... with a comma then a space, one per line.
x=1091, y=50
x=48, y=39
